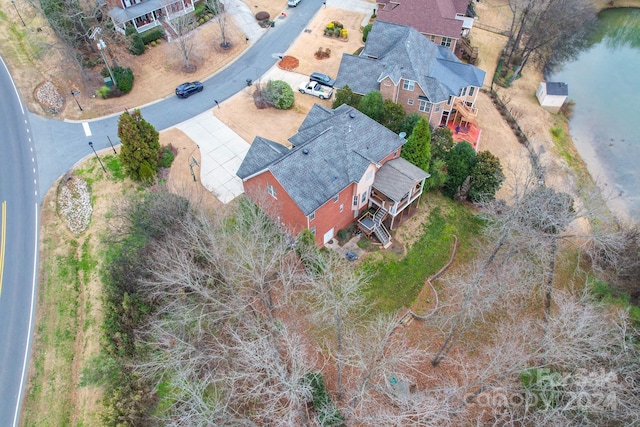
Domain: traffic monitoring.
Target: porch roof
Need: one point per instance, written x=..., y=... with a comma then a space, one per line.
x=125, y=15
x=397, y=177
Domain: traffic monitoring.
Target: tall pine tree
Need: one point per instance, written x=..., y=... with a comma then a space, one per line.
x=417, y=150
x=140, y=150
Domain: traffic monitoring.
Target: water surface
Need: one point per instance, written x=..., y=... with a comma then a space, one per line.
x=604, y=82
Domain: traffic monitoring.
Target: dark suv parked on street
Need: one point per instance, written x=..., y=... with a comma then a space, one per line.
x=185, y=90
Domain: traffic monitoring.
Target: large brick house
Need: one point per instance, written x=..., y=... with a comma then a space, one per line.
x=146, y=14
x=441, y=21
x=414, y=72
x=340, y=163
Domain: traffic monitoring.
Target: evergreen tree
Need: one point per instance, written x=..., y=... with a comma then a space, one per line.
x=346, y=96
x=486, y=177
x=409, y=123
x=372, y=105
x=460, y=161
x=441, y=143
x=417, y=150
x=392, y=115
x=140, y=150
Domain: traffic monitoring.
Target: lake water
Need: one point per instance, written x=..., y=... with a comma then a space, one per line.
x=604, y=82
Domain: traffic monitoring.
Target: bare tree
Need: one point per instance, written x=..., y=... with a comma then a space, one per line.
x=219, y=10
x=335, y=295
x=183, y=26
x=547, y=31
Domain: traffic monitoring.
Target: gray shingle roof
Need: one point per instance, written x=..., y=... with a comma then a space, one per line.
x=397, y=177
x=557, y=88
x=260, y=155
x=400, y=52
x=328, y=155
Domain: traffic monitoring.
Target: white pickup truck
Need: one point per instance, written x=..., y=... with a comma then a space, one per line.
x=316, y=89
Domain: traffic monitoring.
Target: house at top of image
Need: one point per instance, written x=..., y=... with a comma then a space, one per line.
x=414, y=72
x=340, y=164
x=146, y=14
x=444, y=22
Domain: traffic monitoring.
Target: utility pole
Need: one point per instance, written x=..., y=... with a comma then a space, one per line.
x=101, y=47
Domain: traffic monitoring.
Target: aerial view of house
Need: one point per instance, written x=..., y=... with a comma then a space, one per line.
x=340, y=164
x=414, y=72
x=144, y=15
x=442, y=21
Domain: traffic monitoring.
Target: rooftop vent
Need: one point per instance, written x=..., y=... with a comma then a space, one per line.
x=305, y=151
x=352, y=115
x=402, y=135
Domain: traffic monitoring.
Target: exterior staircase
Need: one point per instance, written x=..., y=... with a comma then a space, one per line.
x=380, y=230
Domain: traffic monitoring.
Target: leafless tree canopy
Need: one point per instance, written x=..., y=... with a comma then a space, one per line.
x=547, y=31
x=237, y=320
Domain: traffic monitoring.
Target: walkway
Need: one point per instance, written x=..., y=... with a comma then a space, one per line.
x=221, y=153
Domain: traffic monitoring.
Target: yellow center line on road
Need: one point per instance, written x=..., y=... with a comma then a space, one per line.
x=2, y=241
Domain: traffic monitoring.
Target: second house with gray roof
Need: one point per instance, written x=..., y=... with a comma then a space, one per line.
x=414, y=72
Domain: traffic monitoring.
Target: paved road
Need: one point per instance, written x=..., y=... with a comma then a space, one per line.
x=19, y=198
x=60, y=145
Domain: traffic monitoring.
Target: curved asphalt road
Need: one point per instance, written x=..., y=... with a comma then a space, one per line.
x=59, y=145
x=19, y=198
x=62, y=144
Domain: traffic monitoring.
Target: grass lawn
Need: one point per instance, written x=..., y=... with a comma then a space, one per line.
x=397, y=282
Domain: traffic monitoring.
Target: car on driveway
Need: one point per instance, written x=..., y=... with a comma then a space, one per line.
x=316, y=89
x=187, y=89
x=293, y=3
x=323, y=79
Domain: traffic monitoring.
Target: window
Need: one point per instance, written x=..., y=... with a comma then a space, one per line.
x=335, y=198
x=395, y=153
x=438, y=108
x=313, y=230
x=312, y=216
x=364, y=197
x=446, y=41
x=409, y=101
x=341, y=207
x=408, y=84
x=472, y=90
x=463, y=92
x=272, y=190
x=355, y=200
x=425, y=106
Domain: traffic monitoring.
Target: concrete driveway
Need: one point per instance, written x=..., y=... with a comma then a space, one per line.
x=221, y=153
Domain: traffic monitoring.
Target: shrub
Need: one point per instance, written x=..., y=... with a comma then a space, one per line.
x=365, y=32
x=152, y=44
x=146, y=172
x=124, y=78
x=152, y=35
x=279, y=94
x=136, y=45
x=200, y=9
x=342, y=234
x=167, y=158
x=103, y=92
x=327, y=412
